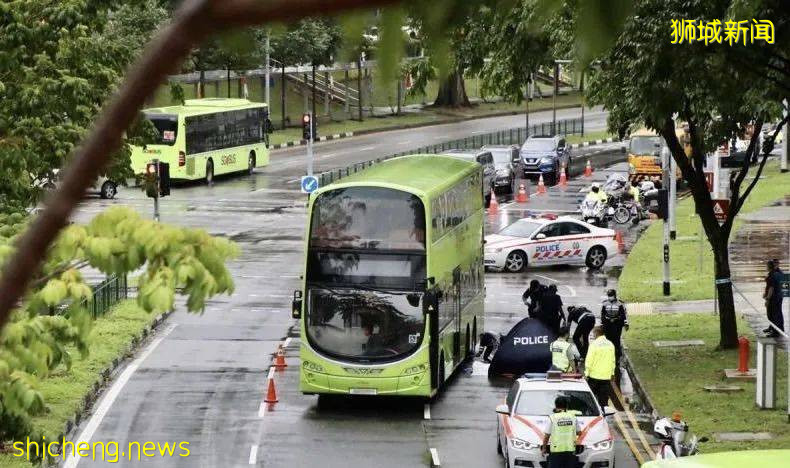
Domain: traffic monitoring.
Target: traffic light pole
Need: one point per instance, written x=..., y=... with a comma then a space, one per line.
x=156, y=198
x=673, y=196
x=310, y=147
x=665, y=165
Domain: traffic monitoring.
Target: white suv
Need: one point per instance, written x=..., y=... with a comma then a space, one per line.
x=524, y=417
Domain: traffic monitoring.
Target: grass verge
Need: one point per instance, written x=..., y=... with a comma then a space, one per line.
x=64, y=391
x=674, y=378
x=642, y=273
x=427, y=116
x=589, y=136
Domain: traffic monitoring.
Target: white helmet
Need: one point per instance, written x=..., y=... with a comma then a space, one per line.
x=663, y=427
x=596, y=185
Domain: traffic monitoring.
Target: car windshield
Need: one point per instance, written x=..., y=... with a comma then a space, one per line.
x=541, y=402
x=166, y=126
x=501, y=156
x=520, y=229
x=364, y=325
x=644, y=145
x=538, y=144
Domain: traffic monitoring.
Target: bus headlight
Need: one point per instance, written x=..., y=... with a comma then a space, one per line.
x=519, y=444
x=311, y=366
x=415, y=369
x=602, y=445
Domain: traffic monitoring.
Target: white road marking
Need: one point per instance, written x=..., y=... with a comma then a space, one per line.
x=435, y=457
x=253, y=454
x=112, y=394
x=479, y=368
x=404, y=142
x=271, y=374
x=262, y=409
x=547, y=278
x=570, y=288
x=366, y=148
x=287, y=342
x=293, y=181
x=426, y=412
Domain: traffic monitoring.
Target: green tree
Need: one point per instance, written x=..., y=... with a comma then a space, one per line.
x=716, y=88
x=53, y=317
x=60, y=61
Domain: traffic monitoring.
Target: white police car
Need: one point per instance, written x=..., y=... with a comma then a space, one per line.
x=524, y=417
x=542, y=241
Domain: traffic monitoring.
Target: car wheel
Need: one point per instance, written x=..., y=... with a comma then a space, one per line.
x=516, y=261
x=621, y=215
x=251, y=163
x=487, y=200
x=596, y=257
x=209, y=172
x=498, y=442
x=108, y=190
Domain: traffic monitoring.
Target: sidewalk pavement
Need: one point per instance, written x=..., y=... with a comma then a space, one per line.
x=764, y=235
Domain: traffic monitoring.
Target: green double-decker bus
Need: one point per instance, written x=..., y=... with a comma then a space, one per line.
x=206, y=137
x=393, y=291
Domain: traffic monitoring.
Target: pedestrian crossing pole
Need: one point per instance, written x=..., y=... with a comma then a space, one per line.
x=665, y=165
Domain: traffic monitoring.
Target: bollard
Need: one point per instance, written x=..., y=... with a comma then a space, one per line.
x=743, y=355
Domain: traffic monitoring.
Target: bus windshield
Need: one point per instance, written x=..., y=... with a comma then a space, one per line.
x=370, y=218
x=645, y=145
x=541, y=402
x=166, y=128
x=363, y=325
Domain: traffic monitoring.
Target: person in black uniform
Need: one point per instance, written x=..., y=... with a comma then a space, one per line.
x=613, y=320
x=585, y=321
x=532, y=298
x=551, y=309
x=488, y=345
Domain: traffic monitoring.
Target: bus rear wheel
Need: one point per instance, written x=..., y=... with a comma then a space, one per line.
x=209, y=172
x=251, y=163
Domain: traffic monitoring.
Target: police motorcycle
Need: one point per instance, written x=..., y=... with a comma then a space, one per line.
x=620, y=209
x=676, y=440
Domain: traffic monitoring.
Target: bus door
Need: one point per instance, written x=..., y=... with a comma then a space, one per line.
x=457, y=315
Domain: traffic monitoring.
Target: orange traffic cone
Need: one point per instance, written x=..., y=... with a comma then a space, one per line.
x=588, y=169
x=279, y=360
x=541, y=185
x=522, y=196
x=493, y=205
x=563, y=177
x=271, y=393
x=618, y=236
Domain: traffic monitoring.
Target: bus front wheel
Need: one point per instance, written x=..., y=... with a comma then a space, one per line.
x=209, y=172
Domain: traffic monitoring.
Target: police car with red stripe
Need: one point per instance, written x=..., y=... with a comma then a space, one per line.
x=551, y=240
x=523, y=419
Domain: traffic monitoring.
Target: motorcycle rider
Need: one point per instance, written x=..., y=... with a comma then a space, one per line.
x=634, y=191
x=613, y=320
x=585, y=321
x=596, y=194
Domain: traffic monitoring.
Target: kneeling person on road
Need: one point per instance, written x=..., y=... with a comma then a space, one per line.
x=599, y=366
x=560, y=438
x=563, y=353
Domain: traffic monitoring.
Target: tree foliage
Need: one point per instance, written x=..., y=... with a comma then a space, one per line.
x=717, y=89
x=60, y=61
x=53, y=317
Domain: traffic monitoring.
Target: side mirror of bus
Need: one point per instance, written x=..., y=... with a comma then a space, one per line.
x=296, y=305
x=609, y=411
x=502, y=409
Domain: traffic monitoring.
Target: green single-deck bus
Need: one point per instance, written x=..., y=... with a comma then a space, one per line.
x=738, y=459
x=393, y=290
x=207, y=137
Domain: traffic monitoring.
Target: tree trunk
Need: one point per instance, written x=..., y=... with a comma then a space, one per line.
x=202, y=85
x=282, y=94
x=728, y=328
x=452, y=92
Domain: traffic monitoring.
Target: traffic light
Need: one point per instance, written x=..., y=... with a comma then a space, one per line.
x=151, y=180
x=663, y=204
x=309, y=127
x=157, y=179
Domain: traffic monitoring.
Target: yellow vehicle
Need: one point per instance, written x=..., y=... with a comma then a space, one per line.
x=644, y=152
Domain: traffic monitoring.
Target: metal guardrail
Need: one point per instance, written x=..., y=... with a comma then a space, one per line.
x=106, y=294
x=512, y=136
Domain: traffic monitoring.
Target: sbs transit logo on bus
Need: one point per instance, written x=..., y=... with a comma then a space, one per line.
x=228, y=159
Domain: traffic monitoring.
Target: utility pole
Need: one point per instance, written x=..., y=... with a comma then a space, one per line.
x=359, y=86
x=665, y=158
x=786, y=134
x=673, y=197
x=581, y=91
x=526, y=114
x=267, y=93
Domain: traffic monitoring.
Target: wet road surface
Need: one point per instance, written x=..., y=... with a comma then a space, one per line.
x=203, y=378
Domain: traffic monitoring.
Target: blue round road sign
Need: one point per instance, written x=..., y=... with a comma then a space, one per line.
x=309, y=184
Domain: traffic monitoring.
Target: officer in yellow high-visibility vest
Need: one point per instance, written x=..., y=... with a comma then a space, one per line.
x=560, y=437
x=599, y=366
x=563, y=353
